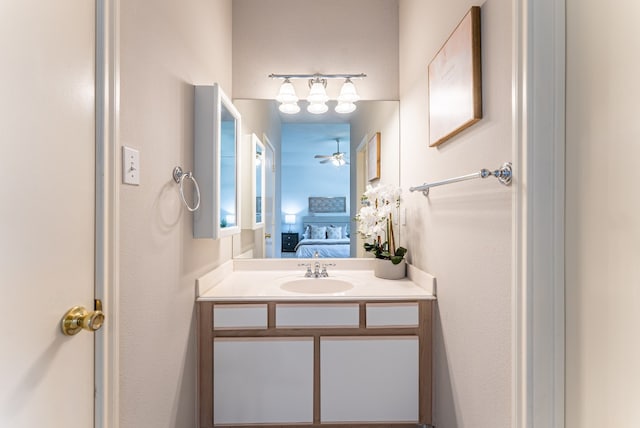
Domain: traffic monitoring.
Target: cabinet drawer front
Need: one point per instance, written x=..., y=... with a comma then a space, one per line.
x=392, y=315
x=239, y=316
x=320, y=315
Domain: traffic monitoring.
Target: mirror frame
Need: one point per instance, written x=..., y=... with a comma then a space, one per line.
x=209, y=100
x=255, y=144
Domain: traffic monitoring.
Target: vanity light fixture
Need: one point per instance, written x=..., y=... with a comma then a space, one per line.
x=287, y=98
x=317, y=97
x=348, y=96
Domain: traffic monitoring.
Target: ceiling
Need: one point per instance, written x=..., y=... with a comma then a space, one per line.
x=302, y=141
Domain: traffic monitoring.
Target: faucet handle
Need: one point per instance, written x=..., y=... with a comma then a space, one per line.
x=324, y=272
x=308, y=273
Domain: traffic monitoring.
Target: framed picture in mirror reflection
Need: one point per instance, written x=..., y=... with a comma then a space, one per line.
x=373, y=157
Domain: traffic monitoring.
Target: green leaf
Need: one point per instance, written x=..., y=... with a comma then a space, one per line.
x=400, y=251
x=396, y=259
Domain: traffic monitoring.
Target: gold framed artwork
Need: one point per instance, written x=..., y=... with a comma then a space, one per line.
x=373, y=157
x=455, y=81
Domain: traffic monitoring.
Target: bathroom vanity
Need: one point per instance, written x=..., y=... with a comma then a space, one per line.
x=280, y=349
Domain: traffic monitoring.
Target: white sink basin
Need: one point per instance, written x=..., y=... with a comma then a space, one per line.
x=316, y=285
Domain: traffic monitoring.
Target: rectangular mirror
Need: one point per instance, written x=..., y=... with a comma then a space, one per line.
x=258, y=181
x=306, y=149
x=217, y=133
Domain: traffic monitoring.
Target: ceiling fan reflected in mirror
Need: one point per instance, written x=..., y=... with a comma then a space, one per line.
x=338, y=158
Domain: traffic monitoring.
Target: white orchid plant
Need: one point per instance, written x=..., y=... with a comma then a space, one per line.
x=375, y=220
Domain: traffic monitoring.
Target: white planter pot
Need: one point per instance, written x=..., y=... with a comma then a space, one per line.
x=386, y=270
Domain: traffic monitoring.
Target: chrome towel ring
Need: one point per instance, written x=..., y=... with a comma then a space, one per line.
x=179, y=177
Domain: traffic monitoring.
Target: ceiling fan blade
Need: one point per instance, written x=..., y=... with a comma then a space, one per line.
x=322, y=156
x=326, y=160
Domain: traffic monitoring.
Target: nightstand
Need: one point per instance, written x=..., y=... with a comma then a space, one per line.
x=289, y=242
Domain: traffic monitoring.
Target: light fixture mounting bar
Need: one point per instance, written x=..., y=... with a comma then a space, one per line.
x=318, y=76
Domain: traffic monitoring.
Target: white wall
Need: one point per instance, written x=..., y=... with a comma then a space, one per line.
x=462, y=232
x=602, y=206
x=166, y=47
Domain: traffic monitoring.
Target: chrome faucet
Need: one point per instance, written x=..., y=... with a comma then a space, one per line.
x=317, y=266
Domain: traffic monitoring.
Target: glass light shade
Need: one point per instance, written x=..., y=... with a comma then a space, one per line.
x=317, y=94
x=348, y=93
x=287, y=93
x=344, y=108
x=289, y=108
x=317, y=108
x=338, y=161
x=290, y=219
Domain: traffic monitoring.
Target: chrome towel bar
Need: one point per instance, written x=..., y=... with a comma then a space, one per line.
x=503, y=174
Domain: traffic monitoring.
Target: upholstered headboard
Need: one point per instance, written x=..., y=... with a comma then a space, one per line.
x=343, y=221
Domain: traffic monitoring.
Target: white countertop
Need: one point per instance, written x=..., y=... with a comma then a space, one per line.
x=261, y=280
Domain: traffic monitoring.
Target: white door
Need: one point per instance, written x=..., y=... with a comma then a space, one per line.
x=269, y=200
x=47, y=144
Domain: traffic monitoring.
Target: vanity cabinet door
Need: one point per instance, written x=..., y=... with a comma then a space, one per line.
x=263, y=380
x=372, y=379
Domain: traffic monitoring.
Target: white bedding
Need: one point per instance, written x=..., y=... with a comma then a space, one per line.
x=326, y=248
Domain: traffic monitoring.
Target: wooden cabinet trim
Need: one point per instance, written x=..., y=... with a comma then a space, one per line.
x=207, y=334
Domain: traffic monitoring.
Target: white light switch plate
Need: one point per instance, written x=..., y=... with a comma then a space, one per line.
x=130, y=166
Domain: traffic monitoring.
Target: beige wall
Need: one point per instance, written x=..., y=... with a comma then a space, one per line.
x=166, y=47
x=462, y=232
x=602, y=206
x=372, y=117
x=260, y=117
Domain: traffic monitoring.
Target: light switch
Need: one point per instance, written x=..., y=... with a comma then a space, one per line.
x=130, y=166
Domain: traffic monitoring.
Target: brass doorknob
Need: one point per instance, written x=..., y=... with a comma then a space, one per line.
x=78, y=318
x=267, y=235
